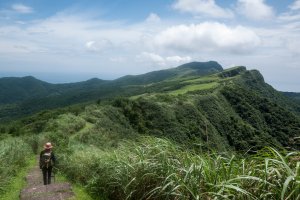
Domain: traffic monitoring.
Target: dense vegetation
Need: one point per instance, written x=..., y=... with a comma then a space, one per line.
x=15, y=153
x=187, y=137
x=294, y=96
x=157, y=169
x=99, y=149
x=24, y=96
x=129, y=166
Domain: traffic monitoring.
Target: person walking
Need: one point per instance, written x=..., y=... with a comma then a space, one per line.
x=47, y=161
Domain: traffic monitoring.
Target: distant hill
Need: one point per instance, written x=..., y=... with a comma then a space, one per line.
x=18, y=89
x=293, y=95
x=23, y=96
x=188, y=69
x=15, y=90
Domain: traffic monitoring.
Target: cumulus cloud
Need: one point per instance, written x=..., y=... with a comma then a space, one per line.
x=202, y=7
x=178, y=59
x=156, y=60
x=255, y=9
x=153, y=18
x=20, y=8
x=150, y=57
x=208, y=37
x=295, y=5
x=98, y=46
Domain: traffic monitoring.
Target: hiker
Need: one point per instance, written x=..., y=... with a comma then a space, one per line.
x=47, y=161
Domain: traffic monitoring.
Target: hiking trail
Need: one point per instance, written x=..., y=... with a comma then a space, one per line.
x=36, y=190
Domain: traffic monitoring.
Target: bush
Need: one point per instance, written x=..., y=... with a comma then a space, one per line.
x=153, y=168
x=67, y=123
x=14, y=155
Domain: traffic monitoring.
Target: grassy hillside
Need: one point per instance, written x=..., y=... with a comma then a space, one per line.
x=185, y=70
x=186, y=137
x=229, y=110
x=111, y=156
x=23, y=96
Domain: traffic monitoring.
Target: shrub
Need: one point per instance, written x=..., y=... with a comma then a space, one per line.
x=153, y=168
x=14, y=154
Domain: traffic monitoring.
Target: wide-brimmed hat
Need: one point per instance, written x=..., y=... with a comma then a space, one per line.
x=48, y=145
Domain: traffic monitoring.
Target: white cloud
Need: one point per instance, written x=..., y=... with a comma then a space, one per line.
x=178, y=59
x=90, y=45
x=156, y=60
x=202, y=7
x=10, y=47
x=150, y=58
x=255, y=9
x=208, y=37
x=99, y=46
x=82, y=28
x=295, y=5
x=289, y=17
x=65, y=40
x=153, y=18
x=20, y=8
x=293, y=14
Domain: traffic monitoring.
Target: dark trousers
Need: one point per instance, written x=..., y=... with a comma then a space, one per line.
x=47, y=175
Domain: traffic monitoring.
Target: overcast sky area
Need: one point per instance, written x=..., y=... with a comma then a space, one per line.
x=73, y=40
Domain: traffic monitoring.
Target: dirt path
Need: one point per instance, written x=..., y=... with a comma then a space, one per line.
x=35, y=190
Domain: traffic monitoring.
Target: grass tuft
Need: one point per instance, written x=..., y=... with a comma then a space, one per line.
x=155, y=168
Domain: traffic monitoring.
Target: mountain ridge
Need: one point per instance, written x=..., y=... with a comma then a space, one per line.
x=230, y=109
x=179, y=80
x=45, y=89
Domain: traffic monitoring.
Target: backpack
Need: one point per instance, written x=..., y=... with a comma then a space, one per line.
x=46, y=160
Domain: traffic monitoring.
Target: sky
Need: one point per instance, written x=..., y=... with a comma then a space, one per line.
x=62, y=41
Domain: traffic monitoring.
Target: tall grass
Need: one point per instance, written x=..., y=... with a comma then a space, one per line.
x=153, y=168
x=14, y=155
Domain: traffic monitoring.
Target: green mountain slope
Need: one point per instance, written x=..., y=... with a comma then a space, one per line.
x=188, y=69
x=15, y=90
x=294, y=96
x=232, y=109
x=23, y=96
x=18, y=89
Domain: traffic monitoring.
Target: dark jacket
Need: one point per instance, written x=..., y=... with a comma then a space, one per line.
x=52, y=159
